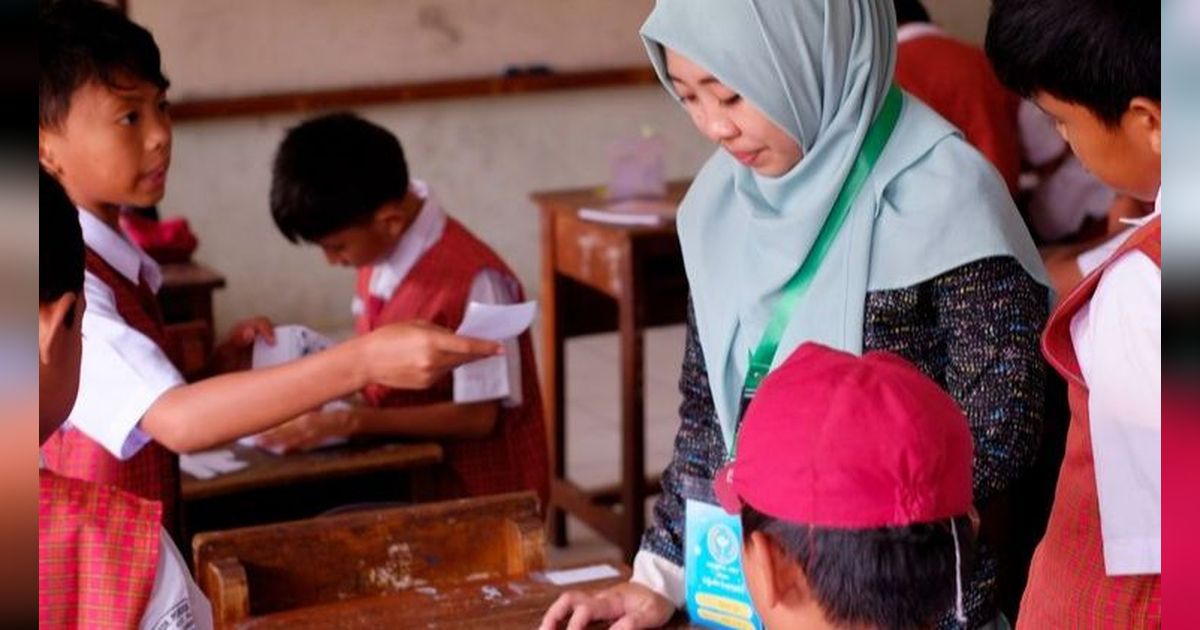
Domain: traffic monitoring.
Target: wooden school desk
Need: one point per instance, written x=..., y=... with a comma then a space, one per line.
x=475, y=562
x=272, y=471
x=187, y=292
x=508, y=604
x=280, y=488
x=599, y=277
x=186, y=299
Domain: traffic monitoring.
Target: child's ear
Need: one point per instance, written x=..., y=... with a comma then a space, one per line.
x=46, y=152
x=394, y=217
x=780, y=582
x=759, y=564
x=54, y=321
x=1147, y=115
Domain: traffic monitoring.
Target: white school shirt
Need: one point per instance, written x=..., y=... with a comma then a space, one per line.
x=122, y=371
x=494, y=378
x=1117, y=338
x=176, y=603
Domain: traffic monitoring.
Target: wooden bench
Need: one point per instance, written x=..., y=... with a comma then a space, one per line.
x=268, y=569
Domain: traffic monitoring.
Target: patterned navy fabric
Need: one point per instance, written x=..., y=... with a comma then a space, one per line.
x=975, y=330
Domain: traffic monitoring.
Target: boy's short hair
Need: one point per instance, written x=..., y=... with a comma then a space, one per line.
x=1100, y=54
x=908, y=11
x=60, y=265
x=333, y=172
x=891, y=578
x=82, y=41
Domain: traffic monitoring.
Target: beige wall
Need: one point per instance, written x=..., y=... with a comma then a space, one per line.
x=482, y=156
x=965, y=18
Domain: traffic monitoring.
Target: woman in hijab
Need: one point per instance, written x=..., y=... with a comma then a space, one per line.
x=837, y=210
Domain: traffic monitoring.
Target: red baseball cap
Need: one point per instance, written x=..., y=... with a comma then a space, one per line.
x=839, y=441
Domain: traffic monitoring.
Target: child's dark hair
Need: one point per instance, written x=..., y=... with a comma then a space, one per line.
x=80, y=41
x=334, y=172
x=1100, y=54
x=891, y=578
x=60, y=265
x=910, y=11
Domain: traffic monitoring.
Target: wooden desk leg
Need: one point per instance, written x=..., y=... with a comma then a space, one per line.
x=633, y=409
x=553, y=381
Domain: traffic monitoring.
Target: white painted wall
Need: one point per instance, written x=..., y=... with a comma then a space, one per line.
x=482, y=156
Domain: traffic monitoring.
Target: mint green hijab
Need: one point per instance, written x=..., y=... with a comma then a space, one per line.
x=820, y=70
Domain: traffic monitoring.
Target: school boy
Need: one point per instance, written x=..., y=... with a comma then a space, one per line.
x=1094, y=66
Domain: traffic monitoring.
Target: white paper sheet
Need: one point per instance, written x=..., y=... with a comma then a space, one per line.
x=209, y=464
x=497, y=322
x=291, y=343
x=582, y=574
x=619, y=218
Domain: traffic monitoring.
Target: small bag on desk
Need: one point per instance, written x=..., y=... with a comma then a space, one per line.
x=259, y=570
x=166, y=241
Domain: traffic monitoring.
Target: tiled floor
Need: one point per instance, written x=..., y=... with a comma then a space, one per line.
x=593, y=436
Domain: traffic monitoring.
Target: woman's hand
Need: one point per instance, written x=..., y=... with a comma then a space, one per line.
x=309, y=431
x=631, y=605
x=235, y=352
x=416, y=355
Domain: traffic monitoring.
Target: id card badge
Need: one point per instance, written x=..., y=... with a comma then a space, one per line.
x=717, y=594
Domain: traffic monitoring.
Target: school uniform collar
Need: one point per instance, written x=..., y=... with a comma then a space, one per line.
x=119, y=252
x=1140, y=221
x=425, y=231
x=917, y=30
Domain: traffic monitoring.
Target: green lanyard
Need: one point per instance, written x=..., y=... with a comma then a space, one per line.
x=872, y=147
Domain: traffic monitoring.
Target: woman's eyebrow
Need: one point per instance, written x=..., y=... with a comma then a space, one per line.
x=704, y=81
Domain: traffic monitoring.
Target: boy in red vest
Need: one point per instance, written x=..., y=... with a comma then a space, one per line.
x=342, y=183
x=1094, y=66
x=105, y=134
x=104, y=560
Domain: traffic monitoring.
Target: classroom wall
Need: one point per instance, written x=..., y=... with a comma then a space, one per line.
x=482, y=156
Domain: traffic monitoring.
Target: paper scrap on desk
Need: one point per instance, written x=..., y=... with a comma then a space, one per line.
x=209, y=464
x=291, y=343
x=582, y=574
x=619, y=218
x=497, y=322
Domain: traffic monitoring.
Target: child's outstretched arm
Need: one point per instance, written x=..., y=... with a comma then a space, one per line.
x=217, y=410
x=464, y=421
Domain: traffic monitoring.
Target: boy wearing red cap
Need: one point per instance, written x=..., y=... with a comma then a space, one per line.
x=852, y=477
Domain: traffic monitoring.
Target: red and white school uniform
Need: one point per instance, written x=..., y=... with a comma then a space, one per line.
x=124, y=369
x=105, y=561
x=436, y=269
x=1099, y=564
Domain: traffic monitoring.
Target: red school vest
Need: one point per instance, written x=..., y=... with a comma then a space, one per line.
x=1068, y=587
x=956, y=80
x=514, y=456
x=153, y=472
x=97, y=554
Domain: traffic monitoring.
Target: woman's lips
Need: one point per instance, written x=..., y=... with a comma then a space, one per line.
x=746, y=157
